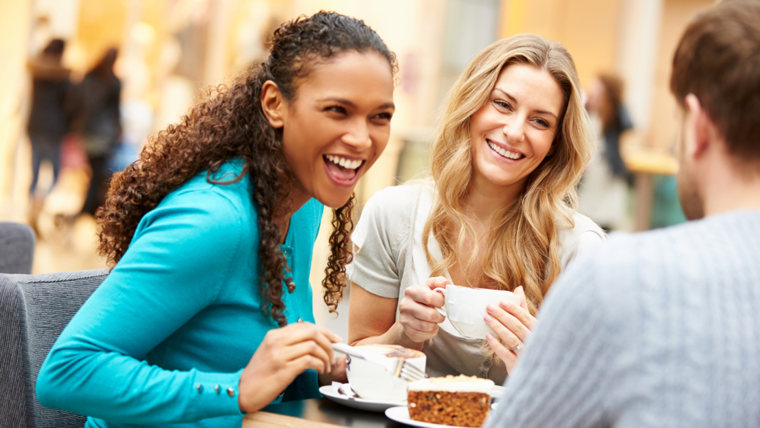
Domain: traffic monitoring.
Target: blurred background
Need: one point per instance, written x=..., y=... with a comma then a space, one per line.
x=167, y=51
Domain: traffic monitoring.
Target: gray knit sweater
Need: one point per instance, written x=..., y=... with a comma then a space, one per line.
x=658, y=329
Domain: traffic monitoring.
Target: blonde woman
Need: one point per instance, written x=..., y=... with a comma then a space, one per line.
x=498, y=212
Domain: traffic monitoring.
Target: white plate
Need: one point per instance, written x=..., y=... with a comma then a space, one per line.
x=400, y=414
x=333, y=393
x=496, y=392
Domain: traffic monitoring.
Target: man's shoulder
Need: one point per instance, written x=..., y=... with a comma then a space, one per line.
x=622, y=254
x=702, y=232
x=679, y=251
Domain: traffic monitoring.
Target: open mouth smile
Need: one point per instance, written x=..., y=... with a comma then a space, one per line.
x=344, y=162
x=344, y=171
x=501, y=151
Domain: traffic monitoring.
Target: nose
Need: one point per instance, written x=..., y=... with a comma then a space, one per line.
x=358, y=135
x=514, y=128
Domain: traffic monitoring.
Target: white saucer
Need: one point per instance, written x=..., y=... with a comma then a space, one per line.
x=333, y=393
x=400, y=414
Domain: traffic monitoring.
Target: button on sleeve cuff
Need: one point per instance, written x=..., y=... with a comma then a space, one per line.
x=218, y=392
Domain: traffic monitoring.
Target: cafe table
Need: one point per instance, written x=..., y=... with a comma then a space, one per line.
x=317, y=413
x=646, y=162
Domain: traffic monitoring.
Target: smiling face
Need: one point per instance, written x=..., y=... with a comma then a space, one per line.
x=336, y=125
x=512, y=132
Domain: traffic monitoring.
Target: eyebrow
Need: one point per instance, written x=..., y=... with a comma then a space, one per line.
x=352, y=105
x=514, y=100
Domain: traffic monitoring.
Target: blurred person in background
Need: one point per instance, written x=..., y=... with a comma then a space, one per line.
x=49, y=117
x=660, y=329
x=604, y=190
x=98, y=123
x=207, y=312
x=498, y=212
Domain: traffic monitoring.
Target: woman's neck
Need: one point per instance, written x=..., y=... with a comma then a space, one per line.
x=295, y=198
x=480, y=204
x=484, y=199
x=283, y=225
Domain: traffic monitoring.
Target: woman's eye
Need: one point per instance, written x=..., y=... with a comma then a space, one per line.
x=385, y=116
x=502, y=104
x=336, y=109
x=543, y=123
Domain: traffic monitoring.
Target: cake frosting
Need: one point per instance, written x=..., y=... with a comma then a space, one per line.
x=452, y=384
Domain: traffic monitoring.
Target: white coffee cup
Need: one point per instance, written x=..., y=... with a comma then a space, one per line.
x=465, y=307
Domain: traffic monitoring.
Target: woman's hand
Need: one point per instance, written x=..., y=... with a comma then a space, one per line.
x=418, y=316
x=284, y=354
x=512, y=324
x=338, y=372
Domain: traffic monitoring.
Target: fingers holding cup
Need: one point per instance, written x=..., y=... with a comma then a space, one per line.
x=524, y=320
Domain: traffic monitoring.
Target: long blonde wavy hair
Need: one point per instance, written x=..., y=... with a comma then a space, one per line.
x=522, y=246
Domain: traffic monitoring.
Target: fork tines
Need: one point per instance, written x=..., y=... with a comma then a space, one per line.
x=408, y=372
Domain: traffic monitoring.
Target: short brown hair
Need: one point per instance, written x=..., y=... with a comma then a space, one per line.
x=718, y=60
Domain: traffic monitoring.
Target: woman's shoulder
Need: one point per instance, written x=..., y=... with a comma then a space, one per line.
x=392, y=210
x=222, y=190
x=584, y=235
x=402, y=193
x=309, y=216
x=397, y=203
x=584, y=224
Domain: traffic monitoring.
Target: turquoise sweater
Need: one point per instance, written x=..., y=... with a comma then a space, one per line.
x=180, y=314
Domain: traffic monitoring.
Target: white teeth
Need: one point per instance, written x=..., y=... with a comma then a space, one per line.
x=344, y=162
x=503, y=152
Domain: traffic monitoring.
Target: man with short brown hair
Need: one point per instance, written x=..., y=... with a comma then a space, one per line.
x=663, y=328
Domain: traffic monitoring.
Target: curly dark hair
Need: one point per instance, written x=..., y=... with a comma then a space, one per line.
x=228, y=124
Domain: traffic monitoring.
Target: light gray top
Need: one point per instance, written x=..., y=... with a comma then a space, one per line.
x=658, y=329
x=391, y=258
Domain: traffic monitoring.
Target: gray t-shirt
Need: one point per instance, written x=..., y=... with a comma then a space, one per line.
x=390, y=258
x=657, y=329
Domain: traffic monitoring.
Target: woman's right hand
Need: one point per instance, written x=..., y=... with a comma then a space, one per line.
x=284, y=354
x=418, y=315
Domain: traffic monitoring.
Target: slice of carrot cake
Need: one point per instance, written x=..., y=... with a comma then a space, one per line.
x=462, y=401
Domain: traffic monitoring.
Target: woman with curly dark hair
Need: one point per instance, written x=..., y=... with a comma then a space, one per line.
x=207, y=312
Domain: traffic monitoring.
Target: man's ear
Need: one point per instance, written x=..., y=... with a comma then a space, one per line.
x=273, y=104
x=704, y=129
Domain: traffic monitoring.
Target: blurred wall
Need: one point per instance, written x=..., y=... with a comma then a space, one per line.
x=589, y=29
x=15, y=20
x=100, y=26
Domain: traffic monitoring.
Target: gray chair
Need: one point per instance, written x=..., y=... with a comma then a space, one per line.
x=33, y=311
x=16, y=247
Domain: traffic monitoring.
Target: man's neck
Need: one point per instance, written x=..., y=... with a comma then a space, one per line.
x=728, y=188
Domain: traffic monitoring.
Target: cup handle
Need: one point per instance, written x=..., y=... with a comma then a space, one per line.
x=441, y=310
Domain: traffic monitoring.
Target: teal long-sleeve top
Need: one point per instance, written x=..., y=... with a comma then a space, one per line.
x=164, y=339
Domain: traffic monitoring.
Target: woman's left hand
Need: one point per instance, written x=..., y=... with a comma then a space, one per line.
x=512, y=325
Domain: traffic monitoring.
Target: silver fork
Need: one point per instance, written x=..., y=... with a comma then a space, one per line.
x=401, y=368
x=407, y=371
